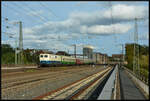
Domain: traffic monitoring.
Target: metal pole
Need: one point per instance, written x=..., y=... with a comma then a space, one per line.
x=68, y=51
x=75, y=50
x=134, y=54
x=20, y=43
x=134, y=59
x=96, y=57
x=104, y=60
x=122, y=55
x=136, y=50
x=16, y=53
x=138, y=53
x=136, y=26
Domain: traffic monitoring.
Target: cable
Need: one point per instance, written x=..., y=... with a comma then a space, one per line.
x=27, y=11
x=11, y=8
x=16, y=11
x=41, y=17
x=43, y=5
x=115, y=37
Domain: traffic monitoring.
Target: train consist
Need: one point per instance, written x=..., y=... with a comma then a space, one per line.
x=60, y=60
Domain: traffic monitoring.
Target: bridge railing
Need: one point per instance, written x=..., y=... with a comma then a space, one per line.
x=142, y=85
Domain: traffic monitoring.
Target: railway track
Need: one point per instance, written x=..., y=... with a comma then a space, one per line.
x=32, y=81
x=30, y=78
x=77, y=90
x=24, y=83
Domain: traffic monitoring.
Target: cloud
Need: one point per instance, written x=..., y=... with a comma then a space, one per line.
x=106, y=29
x=127, y=12
x=97, y=22
x=28, y=31
x=80, y=22
x=120, y=13
x=48, y=44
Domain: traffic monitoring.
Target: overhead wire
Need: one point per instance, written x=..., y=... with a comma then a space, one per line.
x=28, y=10
x=83, y=34
x=19, y=6
x=44, y=17
x=20, y=12
x=41, y=17
x=11, y=8
x=16, y=11
x=43, y=5
x=49, y=10
x=5, y=25
x=112, y=21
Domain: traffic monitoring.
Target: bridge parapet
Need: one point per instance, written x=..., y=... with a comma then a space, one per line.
x=110, y=89
x=140, y=84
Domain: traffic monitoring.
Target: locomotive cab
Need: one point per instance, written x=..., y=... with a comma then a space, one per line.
x=44, y=59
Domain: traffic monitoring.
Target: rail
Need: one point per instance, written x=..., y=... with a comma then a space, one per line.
x=76, y=90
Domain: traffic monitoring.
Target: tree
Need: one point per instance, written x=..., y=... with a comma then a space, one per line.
x=143, y=58
x=8, y=54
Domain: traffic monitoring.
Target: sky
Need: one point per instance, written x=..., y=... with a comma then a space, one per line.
x=56, y=25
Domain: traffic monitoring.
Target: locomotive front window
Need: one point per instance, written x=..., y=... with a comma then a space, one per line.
x=45, y=56
x=41, y=56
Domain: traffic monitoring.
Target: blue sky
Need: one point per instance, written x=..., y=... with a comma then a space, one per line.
x=58, y=25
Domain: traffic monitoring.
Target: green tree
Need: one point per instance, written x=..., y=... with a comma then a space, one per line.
x=8, y=54
x=143, y=58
